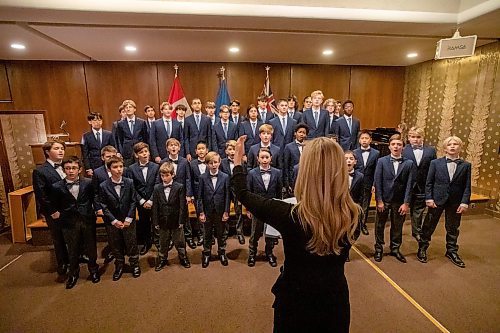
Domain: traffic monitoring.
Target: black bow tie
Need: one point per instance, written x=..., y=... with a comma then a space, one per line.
x=300, y=144
x=57, y=165
x=457, y=161
x=201, y=162
x=262, y=171
x=167, y=186
x=214, y=176
x=143, y=166
x=174, y=161
x=367, y=150
x=351, y=174
x=415, y=147
x=70, y=185
x=399, y=160
x=118, y=184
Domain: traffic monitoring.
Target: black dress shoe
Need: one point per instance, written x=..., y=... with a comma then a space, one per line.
x=378, y=256
x=223, y=259
x=171, y=245
x=272, y=260
x=185, y=262
x=241, y=239
x=84, y=259
x=95, y=277
x=71, y=281
x=455, y=259
x=162, y=263
x=108, y=258
x=421, y=255
x=63, y=269
x=136, y=271
x=118, y=273
x=398, y=256
x=251, y=261
x=364, y=229
x=145, y=249
x=275, y=241
x=205, y=261
x=191, y=244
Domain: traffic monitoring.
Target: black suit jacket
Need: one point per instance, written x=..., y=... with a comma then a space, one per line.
x=117, y=207
x=252, y=139
x=91, y=149
x=291, y=157
x=43, y=178
x=276, y=160
x=356, y=189
x=348, y=140
x=182, y=174
x=367, y=170
x=71, y=208
x=143, y=187
x=443, y=191
x=219, y=139
x=192, y=135
x=390, y=187
x=321, y=129
x=158, y=137
x=256, y=185
x=428, y=154
x=281, y=139
x=213, y=200
x=171, y=213
x=127, y=140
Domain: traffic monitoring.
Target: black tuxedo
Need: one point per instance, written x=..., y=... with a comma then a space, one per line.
x=127, y=139
x=169, y=214
x=158, y=137
x=43, y=178
x=368, y=172
x=276, y=161
x=91, y=148
x=356, y=188
x=78, y=222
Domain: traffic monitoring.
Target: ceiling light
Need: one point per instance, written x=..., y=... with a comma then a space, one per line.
x=327, y=52
x=18, y=46
x=234, y=50
x=412, y=55
x=130, y=48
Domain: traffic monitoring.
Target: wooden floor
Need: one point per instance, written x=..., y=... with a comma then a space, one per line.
x=385, y=297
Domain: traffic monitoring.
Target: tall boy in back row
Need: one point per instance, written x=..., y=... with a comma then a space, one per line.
x=448, y=189
x=130, y=130
x=93, y=141
x=394, y=179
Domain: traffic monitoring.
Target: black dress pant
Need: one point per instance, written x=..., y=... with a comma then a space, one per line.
x=397, y=220
x=80, y=234
x=365, y=201
x=417, y=210
x=56, y=233
x=214, y=221
x=257, y=232
x=177, y=236
x=237, y=210
x=144, y=226
x=451, y=222
x=124, y=242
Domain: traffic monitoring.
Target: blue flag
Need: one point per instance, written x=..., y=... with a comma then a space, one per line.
x=222, y=96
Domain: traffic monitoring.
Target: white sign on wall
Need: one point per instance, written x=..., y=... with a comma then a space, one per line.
x=456, y=47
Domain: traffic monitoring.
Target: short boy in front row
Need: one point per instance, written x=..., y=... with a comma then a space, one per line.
x=169, y=215
x=117, y=198
x=213, y=202
x=394, y=179
x=144, y=173
x=77, y=218
x=448, y=189
x=266, y=181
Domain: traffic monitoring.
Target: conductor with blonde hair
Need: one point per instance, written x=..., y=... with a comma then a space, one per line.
x=311, y=293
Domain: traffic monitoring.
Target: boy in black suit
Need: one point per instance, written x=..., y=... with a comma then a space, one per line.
x=235, y=117
x=44, y=176
x=163, y=129
x=347, y=127
x=75, y=200
x=197, y=127
x=283, y=126
x=210, y=110
x=448, y=189
x=213, y=208
x=264, y=114
x=93, y=141
x=144, y=173
x=150, y=116
x=198, y=167
x=227, y=166
x=114, y=127
x=292, y=154
x=265, y=134
x=117, y=198
x=265, y=181
x=367, y=162
x=355, y=186
x=250, y=128
x=169, y=215
x=130, y=131
x=394, y=179
x=316, y=117
x=421, y=155
x=223, y=131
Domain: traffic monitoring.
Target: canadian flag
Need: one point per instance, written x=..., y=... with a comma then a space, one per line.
x=177, y=96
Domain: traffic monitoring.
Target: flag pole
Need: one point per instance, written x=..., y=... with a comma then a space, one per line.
x=176, y=69
x=222, y=70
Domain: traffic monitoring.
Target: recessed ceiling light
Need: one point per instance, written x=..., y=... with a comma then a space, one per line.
x=234, y=50
x=130, y=48
x=412, y=55
x=327, y=52
x=18, y=46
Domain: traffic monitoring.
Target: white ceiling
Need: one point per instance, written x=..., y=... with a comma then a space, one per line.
x=362, y=32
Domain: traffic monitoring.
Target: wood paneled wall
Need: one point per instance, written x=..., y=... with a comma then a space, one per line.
x=69, y=90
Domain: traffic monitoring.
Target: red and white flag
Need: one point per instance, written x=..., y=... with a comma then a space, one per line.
x=271, y=102
x=177, y=96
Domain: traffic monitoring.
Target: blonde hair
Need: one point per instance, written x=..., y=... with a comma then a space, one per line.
x=129, y=102
x=452, y=138
x=266, y=128
x=167, y=168
x=418, y=131
x=211, y=156
x=230, y=143
x=317, y=92
x=325, y=207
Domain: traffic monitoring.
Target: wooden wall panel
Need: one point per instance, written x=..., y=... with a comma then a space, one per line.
x=333, y=81
x=4, y=84
x=58, y=87
x=377, y=93
x=110, y=83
